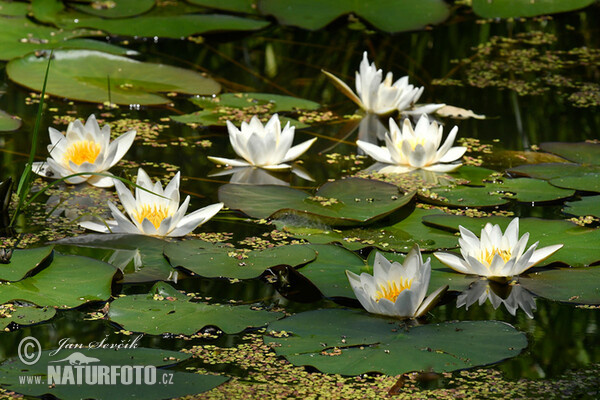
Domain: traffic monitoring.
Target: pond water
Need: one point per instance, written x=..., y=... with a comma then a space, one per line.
x=534, y=79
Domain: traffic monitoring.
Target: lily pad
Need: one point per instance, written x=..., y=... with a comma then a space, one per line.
x=155, y=314
x=180, y=383
x=400, y=236
x=589, y=205
x=579, y=242
x=327, y=272
x=9, y=122
x=68, y=282
x=589, y=182
x=23, y=315
x=13, y=8
x=464, y=196
x=238, y=107
x=571, y=285
x=474, y=175
x=549, y=171
x=139, y=257
x=344, y=202
x=532, y=190
x=20, y=36
x=131, y=82
x=387, y=15
x=23, y=262
x=354, y=342
x=226, y=262
x=581, y=152
x=241, y=6
x=115, y=8
x=518, y=8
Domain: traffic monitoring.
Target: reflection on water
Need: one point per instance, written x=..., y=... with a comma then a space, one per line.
x=512, y=297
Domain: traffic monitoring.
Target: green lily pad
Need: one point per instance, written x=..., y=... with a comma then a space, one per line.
x=20, y=36
x=464, y=196
x=68, y=282
x=9, y=122
x=387, y=15
x=354, y=342
x=474, y=175
x=327, y=272
x=13, y=8
x=589, y=205
x=241, y=6
x=24, y=261
x=532, y=190
x=549, y=171
x=131, y=82
x=571, y=285
x=589, y=182
x=169, y=383
x=155, y=314
x=226, y=262
x=344, y=202
x=238, y=107
x=115, y=8
x=579, y=242
x=518, y=8
x=581, y=152
x=24, y=315
x=400, y=236
x=139, y=257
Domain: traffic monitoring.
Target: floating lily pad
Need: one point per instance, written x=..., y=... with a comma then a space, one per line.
x=589, y=182
x=238, y=107
x=226, y=262
x=549, y=171
x=464, y=196
x=9, y=122
x=519, y=8
x=132, y=82
x=23, y=315
x=344, y=202
x=474, y=175
x=68, y=282
x=532, y=190
x=589, y=205
x=24, y=261
x=401, y=236
x=13, y=8
x=387, y=15
x=164, y=310
x=572, y=285
x=115, y=8
x=139, y=257
x=581, y=152
x=580, y=243
x=181, y=383
x=354, y=342
x=20, y=36
x=327, y=272
x=241, y=6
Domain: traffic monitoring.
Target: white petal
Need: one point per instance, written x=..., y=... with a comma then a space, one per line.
x=380, y=154
x=453, y=154
x=344, y=88
x=541, y=254
x=298, y=150
x=98, y=227
x=430, y=301
x=123, y=224
x=198, y=217
x=228, y=161
x=454, y=262
x=101, y=181
x=122, y=144
x=442, y=167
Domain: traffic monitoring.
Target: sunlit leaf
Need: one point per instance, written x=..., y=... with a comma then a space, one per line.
x=354, y=342
x=346, y=202
x=155, y=314
x=519, y=8
x=131, y=81
x=194, y=256
x=114, y=8
x=23, y=262
x=9, y=122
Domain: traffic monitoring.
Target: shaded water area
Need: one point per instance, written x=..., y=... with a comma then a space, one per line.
x=535, y=80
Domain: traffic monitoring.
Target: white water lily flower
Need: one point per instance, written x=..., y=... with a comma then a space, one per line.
x=265, y=146
x=512, y=296
x=380, y=96
x=84, y=149
x=496, y=256
x=396, y=289
x=157, y=213
x=410, y=148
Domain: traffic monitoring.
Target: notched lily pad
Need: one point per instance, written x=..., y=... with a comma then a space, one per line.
x=589, y=205
x=343, y=202
x=227, y=262
x=571, y=285
x=165, y=310
x=68, y=282
x=23, y=261
x=131, y=81
x=11, y=314
x=354, y=342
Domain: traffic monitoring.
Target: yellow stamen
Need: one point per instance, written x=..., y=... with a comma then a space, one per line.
x=392, y=289
x=82, y=151
x=487, y=256
x=153, y=213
